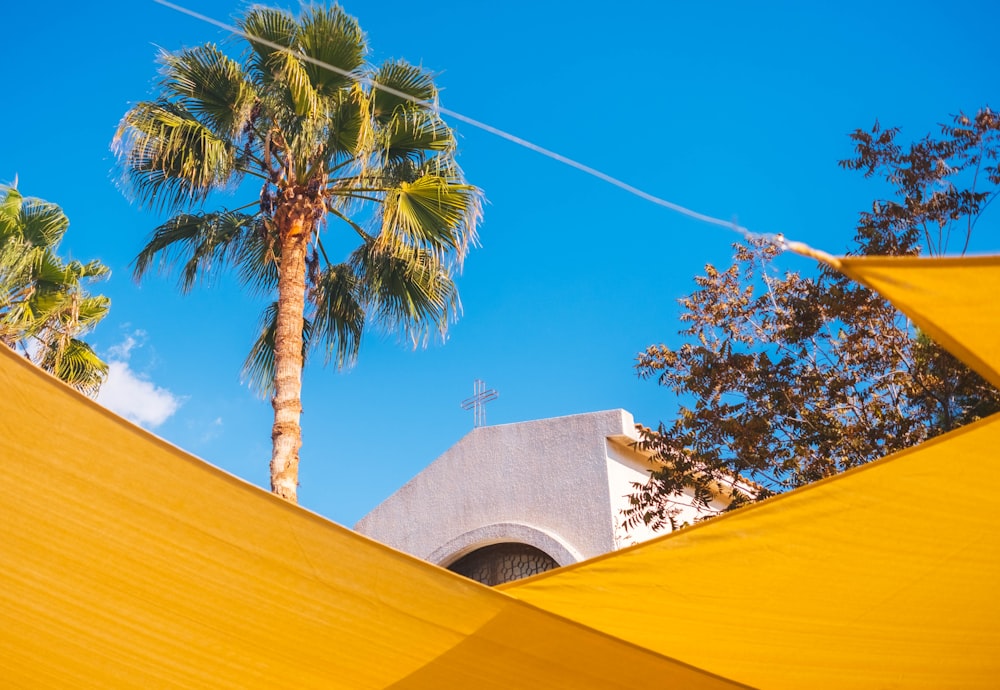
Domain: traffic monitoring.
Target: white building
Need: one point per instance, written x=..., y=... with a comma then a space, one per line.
x=516, y=499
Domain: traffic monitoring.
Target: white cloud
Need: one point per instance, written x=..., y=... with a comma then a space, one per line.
x=123, y=350
x=130, y=394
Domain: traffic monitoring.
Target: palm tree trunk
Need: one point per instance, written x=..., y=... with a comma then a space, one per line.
x=286, y=434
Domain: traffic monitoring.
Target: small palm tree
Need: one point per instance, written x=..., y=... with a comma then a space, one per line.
x=302, y=115
x=44, y=307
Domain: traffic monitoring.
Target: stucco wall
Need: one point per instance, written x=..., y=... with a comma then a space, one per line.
x=625, y=467
x=543, y=482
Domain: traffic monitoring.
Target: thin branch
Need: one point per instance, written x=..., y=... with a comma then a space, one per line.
x=322, y=250
x=338, y=166
x=240, y=208
x=357, y=228
x=252, y=172
x=360, y=197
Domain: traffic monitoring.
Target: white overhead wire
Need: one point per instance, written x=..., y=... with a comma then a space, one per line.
x=775, y=239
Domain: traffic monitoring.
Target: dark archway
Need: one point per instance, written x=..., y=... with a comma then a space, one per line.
x=499, y=563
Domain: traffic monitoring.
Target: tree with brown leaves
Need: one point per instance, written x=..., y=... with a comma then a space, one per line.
x=784, y=380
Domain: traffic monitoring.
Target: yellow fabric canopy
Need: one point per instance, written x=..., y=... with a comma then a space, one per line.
x=125, y=562
x=955, y=300
x=886, y=576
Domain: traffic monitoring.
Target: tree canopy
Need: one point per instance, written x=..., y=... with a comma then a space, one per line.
x=325, y=141
x=784, y=380
x=45, y=308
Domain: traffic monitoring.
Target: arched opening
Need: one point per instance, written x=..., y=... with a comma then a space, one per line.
x=499, y=563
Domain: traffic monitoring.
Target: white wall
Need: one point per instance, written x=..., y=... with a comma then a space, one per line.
x=558, y=484
x=543, y=482
x=626, y=466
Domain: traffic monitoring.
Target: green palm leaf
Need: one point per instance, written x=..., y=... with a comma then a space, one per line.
x=10, y=208
x=91, y=310
x=411, y=134
x=338, y=315
x=405, y=78
x=200, y=242
x=59, y=306
x=92, y=269
x=78, y=365
x=289, y=70
x=42, y=223
x=277, y=27
x=258, y=368
x=330, y=36
x=347, y=126
x=171, y=159
x=409, y=290
x=212, y=86
x=44, y=305
x=258, y=257
x=32, y=222
x=433, y=212
x=50, y=271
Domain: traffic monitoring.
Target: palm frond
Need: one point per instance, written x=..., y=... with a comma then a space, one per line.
x=91, y=310
x=349, y=129
x=338, y=315
x=18, y=261
x=77, y=364
x=274, y=26
x=331, y=36
x=19, y=320
x=258, y=258
x=41, y=223
x=212, y=86
x=433, y=212
x=44, y=305
x=202, y=242
x=59, y=307
x=258, y=368
x=292, y=72
x=50, y=270
x=410, y=134
x=10, y=208
x=406, y=78
x=93, y=270
x=170, y=159
x=408, y=290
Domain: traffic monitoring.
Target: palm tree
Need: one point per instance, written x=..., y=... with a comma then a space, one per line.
x=44, y=307
x=302, y=114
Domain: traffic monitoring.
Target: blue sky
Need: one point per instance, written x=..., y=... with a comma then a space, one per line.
x=738, y=110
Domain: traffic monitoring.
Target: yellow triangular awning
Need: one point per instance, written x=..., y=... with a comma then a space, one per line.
x=125, y=562
x=954, y=300
x=885, y=576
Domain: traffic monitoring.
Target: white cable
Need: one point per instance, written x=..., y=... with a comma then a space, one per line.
x=777, y=240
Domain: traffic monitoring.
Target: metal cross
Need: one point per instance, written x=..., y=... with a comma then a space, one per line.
x=477, y=403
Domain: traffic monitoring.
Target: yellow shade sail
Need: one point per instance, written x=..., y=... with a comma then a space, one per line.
x=126, y=563
x=885, y=576
x=954, y=300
